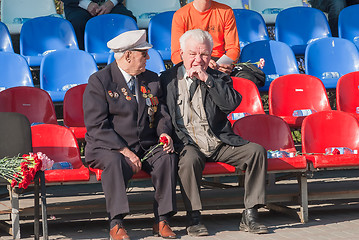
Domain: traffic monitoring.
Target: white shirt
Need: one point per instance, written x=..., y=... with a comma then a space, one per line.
x=85, y=3
x=128, y=78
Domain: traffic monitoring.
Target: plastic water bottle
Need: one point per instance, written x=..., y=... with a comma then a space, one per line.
x=236, y=116
x=271, y=77
x=330, y=75
x=67, y=87
x=279, y=154
x=61, y=165
x=342, y=150
x=272, y=10
x=303, y=112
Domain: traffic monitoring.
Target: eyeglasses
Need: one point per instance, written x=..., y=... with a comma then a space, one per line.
x=144, y=52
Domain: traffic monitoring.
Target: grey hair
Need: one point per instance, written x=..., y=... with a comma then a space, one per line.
x=118, y=55
x=197, y=35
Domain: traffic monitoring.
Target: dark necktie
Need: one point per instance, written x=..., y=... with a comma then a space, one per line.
x=192, y=88
x=131, y=85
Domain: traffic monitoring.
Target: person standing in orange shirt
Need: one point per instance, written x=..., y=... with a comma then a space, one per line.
x=217, y=19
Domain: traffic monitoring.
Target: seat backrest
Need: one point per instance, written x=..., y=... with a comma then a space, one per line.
x=5, y=39
x=329, y=129
x=297, y=92
x=270, y=8
x=61, y=148
x=41, y=35
x=16, y=12
x=154, y=64
x=348, y=24
x=145, y=10
x=279, y=59
x=250, y=25
x=15, y=134
x=294, y=26
x=72, y=106
x=251, y=100
x=14, y=71
x=101, y=29
x=159, y=33
x=63, y=69
x=34, y=103
x=330, y=58
x=347, y=92
x=270, y=131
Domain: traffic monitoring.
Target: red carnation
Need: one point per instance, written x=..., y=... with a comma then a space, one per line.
x=164, y=140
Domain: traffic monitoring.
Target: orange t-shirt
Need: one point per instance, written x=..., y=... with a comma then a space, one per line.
x=219, y=21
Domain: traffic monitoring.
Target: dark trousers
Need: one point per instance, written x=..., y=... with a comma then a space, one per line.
x=116, y=174
x=333, y=8
x=79, y=17
x=250, y=157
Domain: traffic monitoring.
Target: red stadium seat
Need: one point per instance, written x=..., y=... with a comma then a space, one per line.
x=60, y=145
x=347, y=93
x=34, y=103
x=251, y=99
x=73, y=111
x=296, y=92
x=330, y=129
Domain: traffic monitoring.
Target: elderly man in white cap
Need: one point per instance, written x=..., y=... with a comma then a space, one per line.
x=125, y=117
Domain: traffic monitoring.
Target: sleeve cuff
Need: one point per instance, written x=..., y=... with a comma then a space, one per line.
x=115, y=2
x=209, y=82
x=84, y=4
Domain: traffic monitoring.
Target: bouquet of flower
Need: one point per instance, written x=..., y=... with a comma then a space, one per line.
x=163, y=141
x=20, y=170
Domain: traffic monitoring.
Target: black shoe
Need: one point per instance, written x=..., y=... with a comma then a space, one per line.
x=250, y=224
x=197, y=230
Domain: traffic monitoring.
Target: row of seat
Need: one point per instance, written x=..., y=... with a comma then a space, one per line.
x=293, y=92
x=287, y=94
x=36, y=33
x=320, y=131
x=15, y=12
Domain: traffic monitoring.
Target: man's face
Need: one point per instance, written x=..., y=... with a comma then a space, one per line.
x=195, y=54
x=138, y=61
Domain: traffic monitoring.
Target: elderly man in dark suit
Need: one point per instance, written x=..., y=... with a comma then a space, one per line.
x=124, y=117
x=199, y=100
x=78, y=12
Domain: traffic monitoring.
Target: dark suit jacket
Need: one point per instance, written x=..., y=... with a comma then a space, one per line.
x=115, y=122
x=75, y=3
x=219, y=99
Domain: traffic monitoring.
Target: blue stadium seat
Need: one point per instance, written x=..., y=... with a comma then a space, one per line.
x=159, y=33
x=63, y=69
x=330, y=58
x=348, y=24
x=5, y=39
x=14, y=13
x=42, y=35
x=154, y=64
x=14, y=71
x=299, y=26
x=279, y=59
x=101, y=29
x=250, y=25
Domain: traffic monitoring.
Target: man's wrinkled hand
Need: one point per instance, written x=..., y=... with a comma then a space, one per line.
x=226, y=68
x=106, y=8
x=132, y=159
x=169, y=146
x=93, y=8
